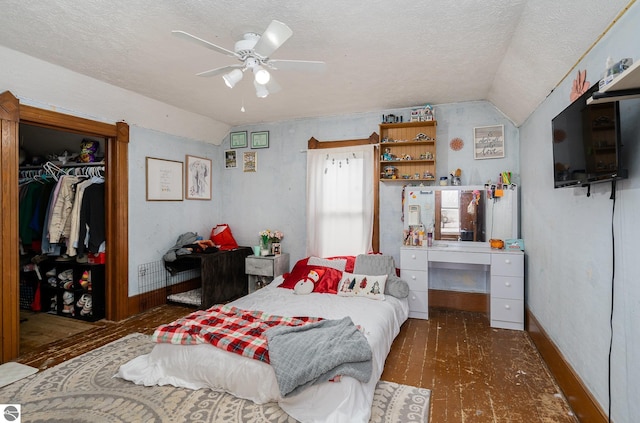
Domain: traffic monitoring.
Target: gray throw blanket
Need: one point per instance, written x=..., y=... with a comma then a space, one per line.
x=306, y=355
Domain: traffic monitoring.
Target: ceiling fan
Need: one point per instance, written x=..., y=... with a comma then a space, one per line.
x=254, y=52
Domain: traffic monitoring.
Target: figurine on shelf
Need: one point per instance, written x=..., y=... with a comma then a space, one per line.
x=387, y=156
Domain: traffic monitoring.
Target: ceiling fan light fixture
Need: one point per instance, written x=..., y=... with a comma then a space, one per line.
x=261, y=90
x=261, y=75
x=232, y=78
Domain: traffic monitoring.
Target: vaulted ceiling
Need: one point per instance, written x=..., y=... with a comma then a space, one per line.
x=380, y=54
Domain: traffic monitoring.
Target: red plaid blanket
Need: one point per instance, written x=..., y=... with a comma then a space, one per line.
x=229, y=328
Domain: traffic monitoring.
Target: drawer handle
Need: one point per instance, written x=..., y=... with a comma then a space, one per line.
x=413, y=277
x=507, y=284
x=507, y=306
x=507, y=261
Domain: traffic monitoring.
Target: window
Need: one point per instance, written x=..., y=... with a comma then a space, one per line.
x=340, y=201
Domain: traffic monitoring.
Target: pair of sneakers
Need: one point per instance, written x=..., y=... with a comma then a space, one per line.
x=67, y=303
x=66, y=279
x=85, y=303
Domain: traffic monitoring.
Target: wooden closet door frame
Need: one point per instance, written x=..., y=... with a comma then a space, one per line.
x=12, y=113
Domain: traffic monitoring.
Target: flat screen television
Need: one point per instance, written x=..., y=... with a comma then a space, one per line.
x=587, y=143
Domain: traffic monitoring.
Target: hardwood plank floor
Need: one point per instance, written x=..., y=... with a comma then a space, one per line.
x=475, y=373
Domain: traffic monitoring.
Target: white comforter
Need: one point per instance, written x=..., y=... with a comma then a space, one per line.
x=205, y=366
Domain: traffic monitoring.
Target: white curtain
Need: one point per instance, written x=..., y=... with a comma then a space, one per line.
x=339, y=201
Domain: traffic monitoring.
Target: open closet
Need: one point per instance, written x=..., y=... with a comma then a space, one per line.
x=61, y=228
x=112, y=273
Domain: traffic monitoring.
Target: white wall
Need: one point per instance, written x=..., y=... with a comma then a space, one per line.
x=569, y=246
x=274, y=197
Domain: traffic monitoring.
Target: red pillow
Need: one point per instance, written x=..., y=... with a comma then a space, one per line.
x=351, y=261
x=300, y=272
x=327, y=282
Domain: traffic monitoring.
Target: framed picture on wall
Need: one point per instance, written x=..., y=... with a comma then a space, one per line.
x=164, y=179
x=250, y=161
x=238, y=139
x=230, y=159
x=488, y=142
x=260, y=139
x=198, y=178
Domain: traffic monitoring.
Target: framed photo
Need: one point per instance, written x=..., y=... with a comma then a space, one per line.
x=488, y=142
x=230, y=159
x=238, y=139
x=164, y=179
x=198, y=178
x=260, y=139
x=250, y=161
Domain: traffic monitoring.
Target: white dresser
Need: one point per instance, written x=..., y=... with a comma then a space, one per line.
x=506, y=277
x=413, y=269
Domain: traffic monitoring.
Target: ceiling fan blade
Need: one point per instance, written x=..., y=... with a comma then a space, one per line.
x=273, y=37
x=205, y=43
x=219, y=71
x=298, y=65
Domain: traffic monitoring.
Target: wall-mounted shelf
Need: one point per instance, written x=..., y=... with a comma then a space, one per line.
x=624, y=87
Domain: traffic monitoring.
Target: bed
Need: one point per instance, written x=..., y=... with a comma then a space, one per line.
x=206, y=366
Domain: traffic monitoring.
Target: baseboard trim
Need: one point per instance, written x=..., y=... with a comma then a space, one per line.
x=580, y=399
x=464, y=301
x=148, y=300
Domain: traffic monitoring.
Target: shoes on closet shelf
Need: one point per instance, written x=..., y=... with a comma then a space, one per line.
x=82, y=258
x=52, y=281
x=51, y=272
x=87, y=309
x=67, y=298
x=85, y=281
x=83, y=300
x=64, y=257
x=66, y=275
x=39, y=259
x=68, y=285
x=54, y=303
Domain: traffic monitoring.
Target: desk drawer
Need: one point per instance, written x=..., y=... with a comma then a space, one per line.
x=507, y=287
x=418, y=301
x=417, y=279
x=507, y=264
x=507, y=310
x=261, y=267
x=459, y=257
x=413, y=258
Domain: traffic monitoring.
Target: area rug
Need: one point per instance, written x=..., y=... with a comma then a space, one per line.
x=83, y=389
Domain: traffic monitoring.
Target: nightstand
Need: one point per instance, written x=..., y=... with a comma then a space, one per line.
x=264, y=269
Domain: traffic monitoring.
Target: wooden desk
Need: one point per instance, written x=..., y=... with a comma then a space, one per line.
x=221, y=274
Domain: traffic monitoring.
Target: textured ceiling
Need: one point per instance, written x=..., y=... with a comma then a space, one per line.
x=380, y=54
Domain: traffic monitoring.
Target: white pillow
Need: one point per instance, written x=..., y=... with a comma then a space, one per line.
x=367, y=286
x=338, y=264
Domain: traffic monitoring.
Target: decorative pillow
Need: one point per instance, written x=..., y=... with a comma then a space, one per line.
x=375, y=264
x=326, y=281
x=338, y=264
x=367, y=286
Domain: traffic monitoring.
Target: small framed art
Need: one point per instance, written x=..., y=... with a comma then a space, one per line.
x=488, y=142
x=250, y=161
x=198, y=178
x=230, y=159
x=238, y=139
x=164, y=179
x=260, y=139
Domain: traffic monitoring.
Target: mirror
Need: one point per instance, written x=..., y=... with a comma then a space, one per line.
x=461, y=213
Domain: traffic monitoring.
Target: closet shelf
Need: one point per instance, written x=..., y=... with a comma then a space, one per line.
x=62, y=166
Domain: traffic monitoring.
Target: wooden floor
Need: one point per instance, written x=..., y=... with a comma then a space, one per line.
x=475, y=373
